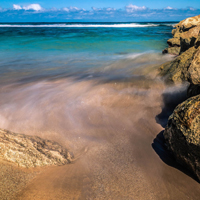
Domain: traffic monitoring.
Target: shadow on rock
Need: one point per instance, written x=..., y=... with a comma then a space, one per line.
x=166, y=156
x=171, y=98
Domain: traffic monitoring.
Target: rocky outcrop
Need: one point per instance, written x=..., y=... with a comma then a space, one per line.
x=188, y=23
x=31, y=151
x=185, y=67
x=185, y=35
x=186, y=45
x=182, y=134
x=194, y=68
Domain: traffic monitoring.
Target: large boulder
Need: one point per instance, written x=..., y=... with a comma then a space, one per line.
x=31, y=151
x=188, y=38
x=194, y=68
x=182, y=68
x=188, y=23
x=185, y=35
x=182, y=134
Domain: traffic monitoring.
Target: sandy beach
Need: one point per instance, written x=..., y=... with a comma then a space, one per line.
x=117, y=143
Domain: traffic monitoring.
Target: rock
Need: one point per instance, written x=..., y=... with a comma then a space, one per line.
x=182, y=134
x=176, y=71
x=31, y=151
x=185, y=35
x=188, y=38
x=188, y=23
x=165, y=51
x=174, y=50
x=194, y=68
x=197, y=42
x=173, y=42
x=193, y=90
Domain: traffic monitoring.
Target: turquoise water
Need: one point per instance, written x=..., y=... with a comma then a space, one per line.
x=39, y=49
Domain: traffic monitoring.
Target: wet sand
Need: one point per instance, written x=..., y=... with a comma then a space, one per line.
x=111, y=127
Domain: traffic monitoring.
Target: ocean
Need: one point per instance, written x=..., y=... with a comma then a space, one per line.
x=32, y=50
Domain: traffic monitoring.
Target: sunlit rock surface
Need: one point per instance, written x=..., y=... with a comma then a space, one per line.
x=185, y=44
x=183, y=68
x=185, y=35
x=31, y=151
x=182, y=134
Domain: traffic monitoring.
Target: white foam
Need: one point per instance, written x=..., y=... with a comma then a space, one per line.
x=170, y=24
x=132, y=25
x=134, y=55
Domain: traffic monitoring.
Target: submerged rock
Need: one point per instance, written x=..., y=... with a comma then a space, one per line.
x=31, y=151
x=182, y=134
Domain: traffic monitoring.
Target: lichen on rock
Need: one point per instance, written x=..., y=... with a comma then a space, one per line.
x=31, y=151
x=188, y=23
x=185, y=35
x=194, y=68
x=185, y=44
x=178, y=70
x=182, y=134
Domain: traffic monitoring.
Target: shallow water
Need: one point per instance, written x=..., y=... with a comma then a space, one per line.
x=27, y=50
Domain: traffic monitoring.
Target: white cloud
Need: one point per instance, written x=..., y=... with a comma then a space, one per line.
x=16, y=7
x=73, y=9
x=66, y=9
x=128, y=12
x=132, y=8
x=168, y=8
x=110, y=9
x=96, y=9
x=191, y=8
x=54, y=9
x=35, y=7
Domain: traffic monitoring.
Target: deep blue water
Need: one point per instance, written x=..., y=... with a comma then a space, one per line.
x=36, y=49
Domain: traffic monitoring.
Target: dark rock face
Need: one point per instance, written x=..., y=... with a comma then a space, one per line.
x=193, y=90
x=182, y=134
x=31, y=151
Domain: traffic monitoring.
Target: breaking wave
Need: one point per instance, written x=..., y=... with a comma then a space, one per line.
x=131, y=25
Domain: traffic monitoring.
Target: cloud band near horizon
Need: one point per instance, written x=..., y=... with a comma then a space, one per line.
x=35, y=12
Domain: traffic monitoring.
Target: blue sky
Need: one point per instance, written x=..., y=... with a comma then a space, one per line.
x=99, y=10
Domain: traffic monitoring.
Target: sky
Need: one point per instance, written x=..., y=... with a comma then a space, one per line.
x=97, y=11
